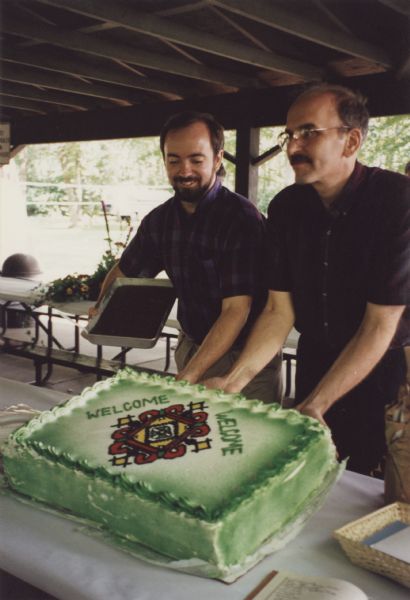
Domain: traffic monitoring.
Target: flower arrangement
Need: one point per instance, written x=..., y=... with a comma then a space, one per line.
x=77, y=287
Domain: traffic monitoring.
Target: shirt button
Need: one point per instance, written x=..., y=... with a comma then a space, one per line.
x=328, y=232
x=325, y=263
x=325, y=323
x=324, y=294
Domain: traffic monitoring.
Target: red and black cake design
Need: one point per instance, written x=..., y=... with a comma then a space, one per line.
x=164, y=433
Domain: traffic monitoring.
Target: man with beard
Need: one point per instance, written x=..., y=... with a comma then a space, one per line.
x=339, y=271
x=210, y=242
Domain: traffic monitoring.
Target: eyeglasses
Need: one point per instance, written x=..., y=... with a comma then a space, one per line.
x=304, y=134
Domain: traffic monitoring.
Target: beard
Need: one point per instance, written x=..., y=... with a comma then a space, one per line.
x=191, y=195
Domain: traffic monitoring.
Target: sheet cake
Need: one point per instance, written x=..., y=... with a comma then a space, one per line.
x=187, y=472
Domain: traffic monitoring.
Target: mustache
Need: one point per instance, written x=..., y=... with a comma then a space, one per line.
x=299, y=158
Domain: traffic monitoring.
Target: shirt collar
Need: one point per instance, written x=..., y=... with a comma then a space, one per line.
x=209, y=197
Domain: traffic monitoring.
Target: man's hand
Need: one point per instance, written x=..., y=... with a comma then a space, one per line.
x=220, y=337
x=109, y=279
x=225, y=384
x=93, y=311
x=356, y=361
x=182, y=377
x=310, y=410
x=215, y=383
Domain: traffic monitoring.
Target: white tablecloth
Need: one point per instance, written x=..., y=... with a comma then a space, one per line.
x=52, y=554
x=21, y=290
x=15, y=392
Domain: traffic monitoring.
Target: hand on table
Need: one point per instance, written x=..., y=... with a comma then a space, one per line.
x=93, y=311
x=215, y=383
x=182, y=376
x=310, y=410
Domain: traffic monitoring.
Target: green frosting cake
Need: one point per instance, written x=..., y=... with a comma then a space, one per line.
x=187, y=472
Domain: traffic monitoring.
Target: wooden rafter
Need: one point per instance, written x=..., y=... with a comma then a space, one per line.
x=131, y=19
x=19, y=74
x=256, y=41
x=46, y=60
x=110, y=49
x=274, y=16
x=52, y=97
x=400, y=6
x=13, y=102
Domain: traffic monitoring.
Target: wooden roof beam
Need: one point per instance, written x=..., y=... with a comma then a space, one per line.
x=109, y=49
x=274, y=16
x=134, y=20
x=222, y=15
x=34, y=93
x=258, y=108
x=190, y=6
x=19, y=103
x=330, y=15
x=400, y=6
x=46, y=60
x=404, y=69
x=62, y=83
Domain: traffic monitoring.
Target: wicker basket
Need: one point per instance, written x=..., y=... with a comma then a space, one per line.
x=351, y=536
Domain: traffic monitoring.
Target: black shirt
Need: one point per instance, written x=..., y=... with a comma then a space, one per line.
x=213, y=254
x=334, y=261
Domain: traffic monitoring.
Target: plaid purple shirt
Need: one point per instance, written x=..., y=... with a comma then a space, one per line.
x=213, y=254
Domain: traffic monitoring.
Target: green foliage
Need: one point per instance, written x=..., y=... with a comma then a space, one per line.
x=77, y=174
x=69, y=288
x=388, y=143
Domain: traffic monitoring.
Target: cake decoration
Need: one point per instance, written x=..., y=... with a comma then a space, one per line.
x=164, y=433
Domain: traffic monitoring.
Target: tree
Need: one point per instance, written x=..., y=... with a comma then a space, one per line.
x=388, y=143
x=70, y=156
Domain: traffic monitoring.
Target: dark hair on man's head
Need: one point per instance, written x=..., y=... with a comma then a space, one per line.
x=351, y=104
x=189, y=117
x=407, y=169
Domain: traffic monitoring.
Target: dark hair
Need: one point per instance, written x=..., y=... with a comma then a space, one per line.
x=407, y=168
x=186, y=118
x=351, y=104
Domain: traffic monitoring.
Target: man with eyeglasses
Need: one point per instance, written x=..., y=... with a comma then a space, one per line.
x=339, y=271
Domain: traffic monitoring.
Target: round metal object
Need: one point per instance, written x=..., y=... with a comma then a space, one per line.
x=20, y=265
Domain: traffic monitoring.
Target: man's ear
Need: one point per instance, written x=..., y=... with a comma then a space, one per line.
x=353, y=142
x=218, y=159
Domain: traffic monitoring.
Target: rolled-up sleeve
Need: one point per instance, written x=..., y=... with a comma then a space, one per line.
x=141, y=257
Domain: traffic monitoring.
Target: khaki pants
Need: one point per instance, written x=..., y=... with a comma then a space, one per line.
x=266, y=386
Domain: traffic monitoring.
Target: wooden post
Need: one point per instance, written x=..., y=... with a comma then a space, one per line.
x=246, y=176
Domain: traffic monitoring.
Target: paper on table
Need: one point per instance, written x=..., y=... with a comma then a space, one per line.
x=290, y=586
x=396, y=545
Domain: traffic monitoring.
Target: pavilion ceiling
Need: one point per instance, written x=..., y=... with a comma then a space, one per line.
x=85, y=69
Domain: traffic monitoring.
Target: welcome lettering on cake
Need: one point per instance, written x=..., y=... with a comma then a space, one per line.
x=127, y=406
x=228, y=428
